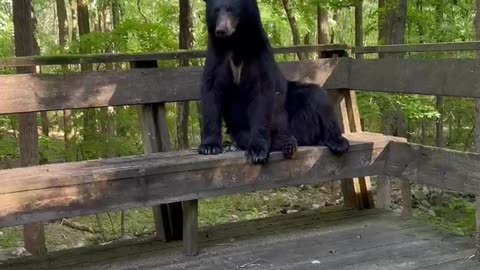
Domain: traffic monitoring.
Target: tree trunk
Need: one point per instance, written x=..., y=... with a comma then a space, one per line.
x=297, y=40
x=359, y=26
x=44, y=122
x=115, y=13
x=393, y=14
x=381, y=25
x=34, y=234
x=332, y=35
x=73, y=19
x=62, y=23
x=186, y=42
x=322, y=26
x=83, y=19
x=62, y=41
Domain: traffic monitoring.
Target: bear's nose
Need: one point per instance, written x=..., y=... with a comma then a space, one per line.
x=220, y=32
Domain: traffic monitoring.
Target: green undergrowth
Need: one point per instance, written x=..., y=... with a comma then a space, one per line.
x=458, y=216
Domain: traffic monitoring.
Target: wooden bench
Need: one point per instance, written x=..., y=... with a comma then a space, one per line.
x=172, y=182
x=52, y=192
x=164, y=180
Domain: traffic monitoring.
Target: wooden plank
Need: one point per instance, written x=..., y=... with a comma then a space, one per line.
x=344, y=242
x=93, y=171
x=180, y=179
x=42, y=92
x=406, y=192
x=190, y=227
x=443, y=168
x=356, y=126
x=123, y=57
x=384, y=192
x=218, y=236
x=356, y=191
x=424, y=47
x=153, y=118
x=350, y=187
x=443, y=77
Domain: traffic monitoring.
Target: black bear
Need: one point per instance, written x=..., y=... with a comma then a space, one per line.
x=243, y=85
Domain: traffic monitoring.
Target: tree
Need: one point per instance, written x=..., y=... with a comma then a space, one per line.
x=186, y=43
x=62, y=23
x=392, y=22
x=34, y=234
x=115, y=12
x=73, y=19
x=83, y=18
x=62, y=41
x=45, y=125
x=322, y=24
x=293, y=26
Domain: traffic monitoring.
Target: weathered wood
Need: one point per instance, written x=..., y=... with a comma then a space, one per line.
x=122, y=57
x=308, y=240
x=356, y=126
x=190, y=227
x=41, y=92
x=443, y=168
x=153, y=119
x=384, y=192
x=350, y=187
x=444, y=77
x=425, y=47
x=85, y=190
x=356, y=191
x=33, y=234
x=406, y=192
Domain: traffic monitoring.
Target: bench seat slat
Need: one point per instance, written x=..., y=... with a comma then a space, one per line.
x=65, y=190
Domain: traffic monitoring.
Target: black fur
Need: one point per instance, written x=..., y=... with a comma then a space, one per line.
x=263, y=112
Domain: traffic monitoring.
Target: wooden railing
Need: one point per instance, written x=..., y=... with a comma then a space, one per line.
x=65, y=190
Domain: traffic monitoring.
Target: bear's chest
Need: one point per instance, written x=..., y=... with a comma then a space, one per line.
x=236, y=71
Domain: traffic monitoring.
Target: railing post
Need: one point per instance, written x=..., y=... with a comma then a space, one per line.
x=168, y=218
x=357, y=192
x=406, y=192
x=190, y=227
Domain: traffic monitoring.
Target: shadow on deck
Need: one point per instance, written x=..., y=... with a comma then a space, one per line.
x=332, y=238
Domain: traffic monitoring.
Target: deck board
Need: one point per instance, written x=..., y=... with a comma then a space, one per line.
x=330, y=238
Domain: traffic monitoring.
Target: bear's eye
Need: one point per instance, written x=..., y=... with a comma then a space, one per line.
x=216, y=10
x=229, y=10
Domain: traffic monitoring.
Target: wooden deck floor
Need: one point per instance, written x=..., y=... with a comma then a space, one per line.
x=325, y=239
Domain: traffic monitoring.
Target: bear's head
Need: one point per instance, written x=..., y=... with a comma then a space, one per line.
x=225, y=18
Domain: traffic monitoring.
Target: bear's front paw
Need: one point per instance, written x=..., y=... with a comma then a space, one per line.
x=210, y=149
x=338, y=145
x=289, y=147
x=258, y=154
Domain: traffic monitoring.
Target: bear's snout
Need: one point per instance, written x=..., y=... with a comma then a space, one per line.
x=226, y=24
